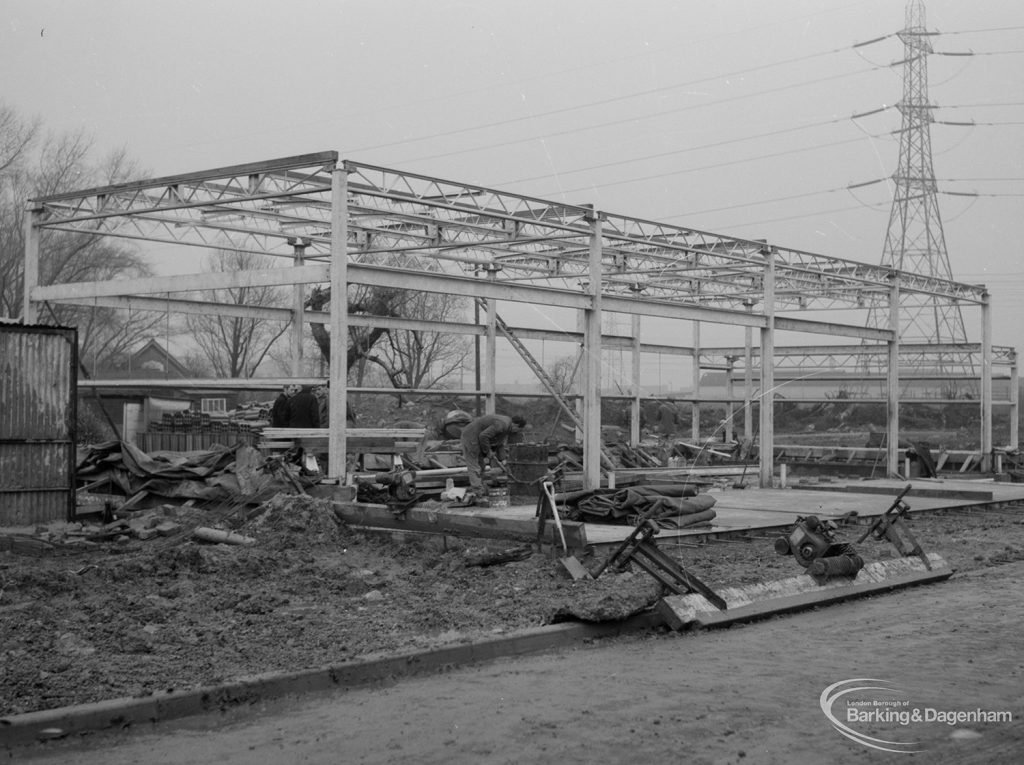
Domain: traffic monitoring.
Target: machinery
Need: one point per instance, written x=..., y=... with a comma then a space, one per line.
x=396, y=489
x=812, y=542
x=891, y=526
x=833, y=571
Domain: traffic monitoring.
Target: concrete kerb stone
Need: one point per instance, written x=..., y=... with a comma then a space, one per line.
x=168, y=705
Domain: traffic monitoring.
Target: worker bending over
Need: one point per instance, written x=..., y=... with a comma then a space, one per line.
x=483, y=438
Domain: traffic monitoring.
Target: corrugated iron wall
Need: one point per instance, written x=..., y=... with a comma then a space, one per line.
x=38, y=400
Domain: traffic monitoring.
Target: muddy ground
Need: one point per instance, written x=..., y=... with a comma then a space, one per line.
x=130, y=617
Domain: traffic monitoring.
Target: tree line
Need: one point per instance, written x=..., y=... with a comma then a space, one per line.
x=36, y=163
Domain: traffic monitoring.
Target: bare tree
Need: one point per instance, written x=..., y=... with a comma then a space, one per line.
x=371, y=301
x=408, y=358
x=17, y=137
x=196, y=364
x=421, y=358
x=33, y=166
x=236, y=346
x=562, y=372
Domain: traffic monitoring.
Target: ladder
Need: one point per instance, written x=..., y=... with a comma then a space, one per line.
x=545, y=379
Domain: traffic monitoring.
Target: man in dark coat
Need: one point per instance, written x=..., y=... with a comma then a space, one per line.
x=303, y=410
x=483, y=438
x=279, y=412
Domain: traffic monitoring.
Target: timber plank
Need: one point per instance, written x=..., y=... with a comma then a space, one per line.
x=455, y=524
x=938, y=492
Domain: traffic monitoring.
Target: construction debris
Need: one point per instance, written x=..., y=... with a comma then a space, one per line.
x=221, y=536
x=220, y=474
x=669, y=505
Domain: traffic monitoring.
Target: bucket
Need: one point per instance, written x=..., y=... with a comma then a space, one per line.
x=527, y=463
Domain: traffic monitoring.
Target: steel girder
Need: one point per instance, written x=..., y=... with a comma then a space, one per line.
x=917, y=357
x=456, y=228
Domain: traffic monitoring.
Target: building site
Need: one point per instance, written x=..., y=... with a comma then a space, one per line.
x=504, y=426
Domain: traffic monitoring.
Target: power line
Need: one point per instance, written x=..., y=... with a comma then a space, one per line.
x=603, y=102
x=768, y=201
x=974, y=31
x=633, y=118
x=778, y=220
x=979, y=105
x=1004, y=195
x=713, y=166
x=684, y=151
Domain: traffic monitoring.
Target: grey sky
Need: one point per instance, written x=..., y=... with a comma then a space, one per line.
x=730, y=116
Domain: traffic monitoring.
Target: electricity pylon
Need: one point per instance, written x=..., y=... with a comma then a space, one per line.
x=915, y=241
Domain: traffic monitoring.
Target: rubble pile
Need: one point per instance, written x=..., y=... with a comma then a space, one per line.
x=292, y=521
x=221, y=473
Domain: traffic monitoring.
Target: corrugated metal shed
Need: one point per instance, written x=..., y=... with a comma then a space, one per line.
x=38, y=398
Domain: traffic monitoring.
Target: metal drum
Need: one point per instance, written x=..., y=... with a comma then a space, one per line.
x=527, y=463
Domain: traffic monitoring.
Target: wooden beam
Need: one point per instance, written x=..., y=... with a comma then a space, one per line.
x=937, y=493
x=455, y=524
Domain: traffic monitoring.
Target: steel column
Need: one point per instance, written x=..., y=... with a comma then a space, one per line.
x=298, y=310
x=491, y=355
x=695, y=371
x=29, y=315
x=592, y=366
x=986, y=382
x=634, y=406
x=748, y=377
x=337, y=436
x=1014, y=404
x=767, y=441
x=892, y=379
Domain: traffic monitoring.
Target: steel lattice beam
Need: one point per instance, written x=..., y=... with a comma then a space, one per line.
x=265, y=207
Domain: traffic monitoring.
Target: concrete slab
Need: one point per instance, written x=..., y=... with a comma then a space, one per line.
x=751, y=509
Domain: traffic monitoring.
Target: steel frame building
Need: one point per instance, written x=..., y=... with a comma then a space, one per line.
x=341, y=222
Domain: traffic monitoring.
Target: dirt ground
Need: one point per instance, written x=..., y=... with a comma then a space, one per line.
x=128, y=618
x=747, y=694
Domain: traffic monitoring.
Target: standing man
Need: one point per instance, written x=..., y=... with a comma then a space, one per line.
x=483, y=438
x=303, y=410
x=279, y=412
x=323, y=397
